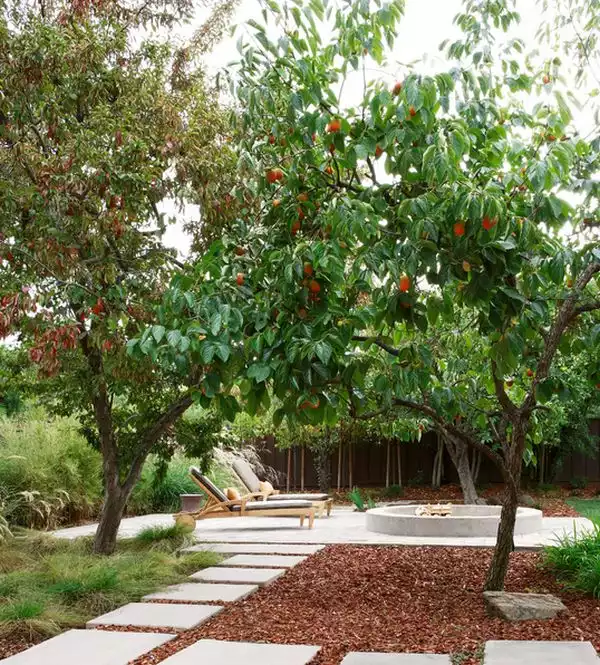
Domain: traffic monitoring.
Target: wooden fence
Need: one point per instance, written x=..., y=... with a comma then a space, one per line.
x=380, y=465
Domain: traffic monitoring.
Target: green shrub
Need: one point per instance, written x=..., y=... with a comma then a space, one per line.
x=578, y=483
x=158, y=491
x=418, y=479
x=49, y=474
x=393, y=492
x=575, y=560
x=360, y=503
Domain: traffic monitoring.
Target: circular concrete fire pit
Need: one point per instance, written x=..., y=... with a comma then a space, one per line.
x=463, y=522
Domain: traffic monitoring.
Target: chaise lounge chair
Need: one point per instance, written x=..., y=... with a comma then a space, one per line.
x=218, y=505
x=322, y=502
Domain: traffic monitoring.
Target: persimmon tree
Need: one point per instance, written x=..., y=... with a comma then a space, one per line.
x=102, y=121
x=464, y=198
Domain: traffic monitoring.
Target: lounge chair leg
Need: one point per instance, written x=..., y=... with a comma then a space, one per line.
x=311, y=520
x=302, y=520
x=329, y=505
x=321, y=509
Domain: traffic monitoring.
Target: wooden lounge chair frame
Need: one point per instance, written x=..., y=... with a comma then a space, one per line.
x=320, y=506
x=216, y=507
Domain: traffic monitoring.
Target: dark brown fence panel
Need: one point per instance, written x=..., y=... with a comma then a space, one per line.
x=369, y=464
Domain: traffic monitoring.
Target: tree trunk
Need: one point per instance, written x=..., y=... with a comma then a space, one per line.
x=504, y=543
x=289, y=470
x=350, y=465
x=436, y=474
x=321, y=457
x=115, y=500
x=302, y=463
x=339, y=467
x=399, y=464
x=476, y=465
x=506, y=529
x=459, y=454
x=387, y=464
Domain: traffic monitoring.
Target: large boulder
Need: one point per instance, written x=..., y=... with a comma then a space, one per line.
x=521, y=606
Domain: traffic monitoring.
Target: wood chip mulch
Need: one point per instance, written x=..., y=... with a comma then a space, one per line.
x=13, y=644
x=416, y=599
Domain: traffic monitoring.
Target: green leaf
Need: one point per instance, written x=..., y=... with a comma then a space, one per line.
x=215, y=323
x=259, y=372
x=173, y=338
x=223, y=351
x=158, y=332
x=323, y=351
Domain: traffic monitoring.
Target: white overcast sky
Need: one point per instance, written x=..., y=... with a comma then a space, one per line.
x=425, y=25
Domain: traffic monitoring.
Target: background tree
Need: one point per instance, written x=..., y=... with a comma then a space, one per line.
x=102, y=121
x=435, y=198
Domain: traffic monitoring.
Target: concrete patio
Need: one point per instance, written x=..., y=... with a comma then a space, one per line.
x=344, y=526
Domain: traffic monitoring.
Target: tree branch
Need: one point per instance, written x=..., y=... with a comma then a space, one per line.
x=378, y=342
x=566, y=313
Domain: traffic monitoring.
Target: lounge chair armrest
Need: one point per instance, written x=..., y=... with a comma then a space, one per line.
x=255, y=495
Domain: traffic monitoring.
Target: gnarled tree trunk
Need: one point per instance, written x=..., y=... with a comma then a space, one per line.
x=505, y=535
x=117, y=492
x=459, y=454
x=115, y=500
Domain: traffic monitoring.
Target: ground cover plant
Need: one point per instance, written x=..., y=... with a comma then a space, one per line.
x=49, y=585
x=589, y=508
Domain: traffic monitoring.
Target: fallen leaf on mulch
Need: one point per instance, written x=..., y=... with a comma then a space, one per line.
x=403, y=599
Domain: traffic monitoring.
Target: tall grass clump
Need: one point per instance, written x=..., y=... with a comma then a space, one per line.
x=575, y=560
x=48, y=585
x=49, y=474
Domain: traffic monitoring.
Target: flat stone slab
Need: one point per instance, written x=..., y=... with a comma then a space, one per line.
x=92, y=647
x=216, y=652
x=255, y=548
x=366, y=658
x=157, y=615
x=522, y=606
x=264, y=560
x=511, y=652
x=204, y=593
x=260, y=576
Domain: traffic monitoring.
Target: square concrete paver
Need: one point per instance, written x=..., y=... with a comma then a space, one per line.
x=509, y=652
x=264, y=560
x=92, y=647
x=204, y=593
x=157, y=615
x=260, y=576
x=255, y=548
x=215, y=652
x=366, y=658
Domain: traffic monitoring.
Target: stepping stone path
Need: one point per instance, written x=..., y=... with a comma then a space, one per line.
x=217, y=652
x=260, y=576
x=92, y=647
x=204, y=593
x=157, y=615
x=364, y=658
x=264, y=560
x=539, y=653
x=255, y=548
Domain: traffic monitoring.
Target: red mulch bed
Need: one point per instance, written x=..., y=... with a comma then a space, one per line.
x=12, y=644
x=363, y=598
